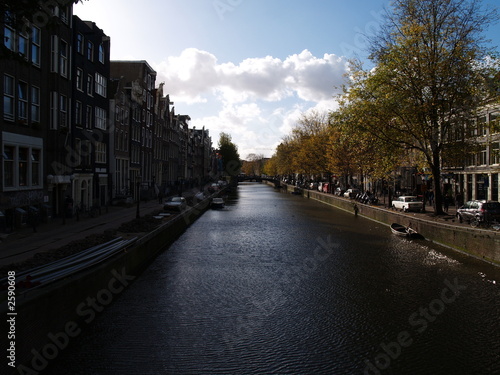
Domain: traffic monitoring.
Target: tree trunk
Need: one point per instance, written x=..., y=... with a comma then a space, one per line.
x=438, y=196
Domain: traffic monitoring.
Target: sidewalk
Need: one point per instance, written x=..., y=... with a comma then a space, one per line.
x=23, y=244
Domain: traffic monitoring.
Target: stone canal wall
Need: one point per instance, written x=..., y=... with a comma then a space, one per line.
x=482, y=244
x=49, y=318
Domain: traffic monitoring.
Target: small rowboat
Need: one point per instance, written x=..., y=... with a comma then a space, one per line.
x=403, y=231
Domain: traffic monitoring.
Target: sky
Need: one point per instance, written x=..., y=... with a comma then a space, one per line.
x=248, y=68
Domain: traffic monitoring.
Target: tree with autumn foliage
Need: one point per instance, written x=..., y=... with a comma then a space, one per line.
x=429, y=76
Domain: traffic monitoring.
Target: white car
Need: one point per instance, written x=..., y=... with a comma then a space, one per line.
x=408, y=203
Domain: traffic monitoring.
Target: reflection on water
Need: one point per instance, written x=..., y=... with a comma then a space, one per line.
x=278, y=284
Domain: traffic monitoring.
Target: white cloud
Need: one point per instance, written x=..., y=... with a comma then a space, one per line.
x=258, y=100
x=196, y=74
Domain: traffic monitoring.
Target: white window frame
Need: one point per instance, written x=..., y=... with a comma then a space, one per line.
x=90, y=50
x=100, y=118
x=101, y=53
x=64, y=58
x=23, y=45
x=90, y=85
x=100, y=152
x=79, y=79
x=63, y=111
x=80, y=43
x=33, y=167
x=35, y=45
x=9, y=40
x=100, y=84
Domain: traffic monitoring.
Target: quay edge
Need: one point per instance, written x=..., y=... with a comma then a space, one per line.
x=478, y=243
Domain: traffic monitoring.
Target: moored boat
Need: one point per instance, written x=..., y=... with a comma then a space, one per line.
x=217, y=203
x=403, y=231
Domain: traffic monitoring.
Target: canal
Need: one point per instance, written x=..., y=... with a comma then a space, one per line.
x=278, y=284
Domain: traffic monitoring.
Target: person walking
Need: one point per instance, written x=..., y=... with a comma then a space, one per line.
x=446, y=203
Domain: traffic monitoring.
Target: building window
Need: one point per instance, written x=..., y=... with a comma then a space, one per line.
x=63, y=58
x=8, y=40
x=90, y=85
x=79, y=43
x=101, y=53
x=53, y=110
x=90, y=51
x=495, y=153
x=79, y=79
x=63, y=110
x=35, y=104
x=22, y=45
x=494, y=123
x=54, y=61
x=23, y=166
x=88, y=117
x=8, y=166
x=8, y=97
x=100, y=118
x=22, y=101
x=35, y=45
x=35, y=167
x=481, y=158
x=64, y=14
x=481, y=126
x=100, y=84
x=78, y=113
x=100, y=152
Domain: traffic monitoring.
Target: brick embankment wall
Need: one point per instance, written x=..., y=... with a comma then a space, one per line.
x=482, y=244
x=49, y=318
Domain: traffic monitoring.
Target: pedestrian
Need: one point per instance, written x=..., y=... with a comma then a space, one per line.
x=446, y=202
x=431, y=198
x=160, y=197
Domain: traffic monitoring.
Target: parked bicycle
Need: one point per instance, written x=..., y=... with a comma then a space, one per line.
x=485, y=224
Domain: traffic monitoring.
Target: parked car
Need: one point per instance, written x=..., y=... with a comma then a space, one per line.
x=352, y=193
x=408, y=203
x=175, y=203
x=480, y=210
x=213, y=188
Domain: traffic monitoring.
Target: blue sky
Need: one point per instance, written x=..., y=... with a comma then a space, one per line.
x=249, y=68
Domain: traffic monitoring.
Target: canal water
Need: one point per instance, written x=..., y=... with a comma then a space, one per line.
x=279, y=284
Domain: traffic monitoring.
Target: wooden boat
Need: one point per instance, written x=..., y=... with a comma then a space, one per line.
x=403, y=231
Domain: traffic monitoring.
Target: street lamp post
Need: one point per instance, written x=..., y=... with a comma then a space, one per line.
x=138, y=186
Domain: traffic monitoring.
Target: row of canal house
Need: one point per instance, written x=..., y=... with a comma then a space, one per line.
x=78, y=130
x=476, y=175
